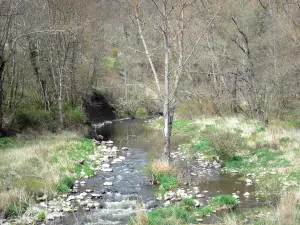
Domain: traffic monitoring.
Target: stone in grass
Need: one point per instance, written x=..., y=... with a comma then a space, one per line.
x=108, y=184
x=105, y=165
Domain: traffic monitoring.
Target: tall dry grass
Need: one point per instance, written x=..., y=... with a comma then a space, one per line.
x=29, y=170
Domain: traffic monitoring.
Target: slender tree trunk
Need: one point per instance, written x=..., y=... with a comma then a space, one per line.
x=2, y=65
x=166, y=102
x=234, y=94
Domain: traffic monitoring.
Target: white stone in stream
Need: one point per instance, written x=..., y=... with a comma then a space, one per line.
x=167, y=203
x=248, y=181
x=83, y=194
x=193, y=174
x=246, y=194
x=82, y=182
x=91, y=205
x=122, y=158
x=197, y=203
x=67, y=209
x=50, y=217
x=125, y=148
x=200, y=196
x=235, y=196
x=108, y=184
x=79, y=197
x=94, y=195
x=43, y=204
x=86, y=209
x=96, y=204
x=83, y=203
x=70, y=198
x=107, y=169
x=105, y=165
x=86, y=177
x=199, y=220
x=205, y=191
x=88, y=190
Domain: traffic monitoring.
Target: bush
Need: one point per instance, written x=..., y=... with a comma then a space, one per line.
x=225, y=144
x=74, y=117
x=35, y=118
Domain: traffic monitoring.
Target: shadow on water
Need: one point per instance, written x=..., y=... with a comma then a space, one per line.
x=131, y=188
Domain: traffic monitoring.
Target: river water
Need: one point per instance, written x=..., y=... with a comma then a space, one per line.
x=132, y=192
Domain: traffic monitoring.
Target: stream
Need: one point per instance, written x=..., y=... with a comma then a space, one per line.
x=132, y=191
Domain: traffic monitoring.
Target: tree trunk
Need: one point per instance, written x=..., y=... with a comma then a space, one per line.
x=167, y=112
x=2, y=65
x=234, y=94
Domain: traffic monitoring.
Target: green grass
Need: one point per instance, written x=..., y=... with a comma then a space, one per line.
x=16, y=209
x=166, y=181
x=41, y=216
x=260, y=129
x=284, y=140
x=202, y=145
x=224, y=201
x=188, y=202
x=204, y=211
x=260, y=158
x=170, y=215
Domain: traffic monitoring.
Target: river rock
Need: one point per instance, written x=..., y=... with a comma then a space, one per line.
x=107, y=170
x=94, y=195
x=125, y=148
x=235, y=196
x=88, y=190
x=246, y=194
x=248, y=181
x=108, y=183
x=167, y=203
x=83, y=194
x=200, y=196
x=122, y=157
x=91, y=205
x=105, y=165
x=82, y=182
x=70, y=198
x=197, y=203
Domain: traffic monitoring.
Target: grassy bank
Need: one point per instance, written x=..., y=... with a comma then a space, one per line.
x=33, y=168
x=268, y=155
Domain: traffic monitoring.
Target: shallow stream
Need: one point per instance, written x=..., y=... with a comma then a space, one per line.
x=132, y=192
